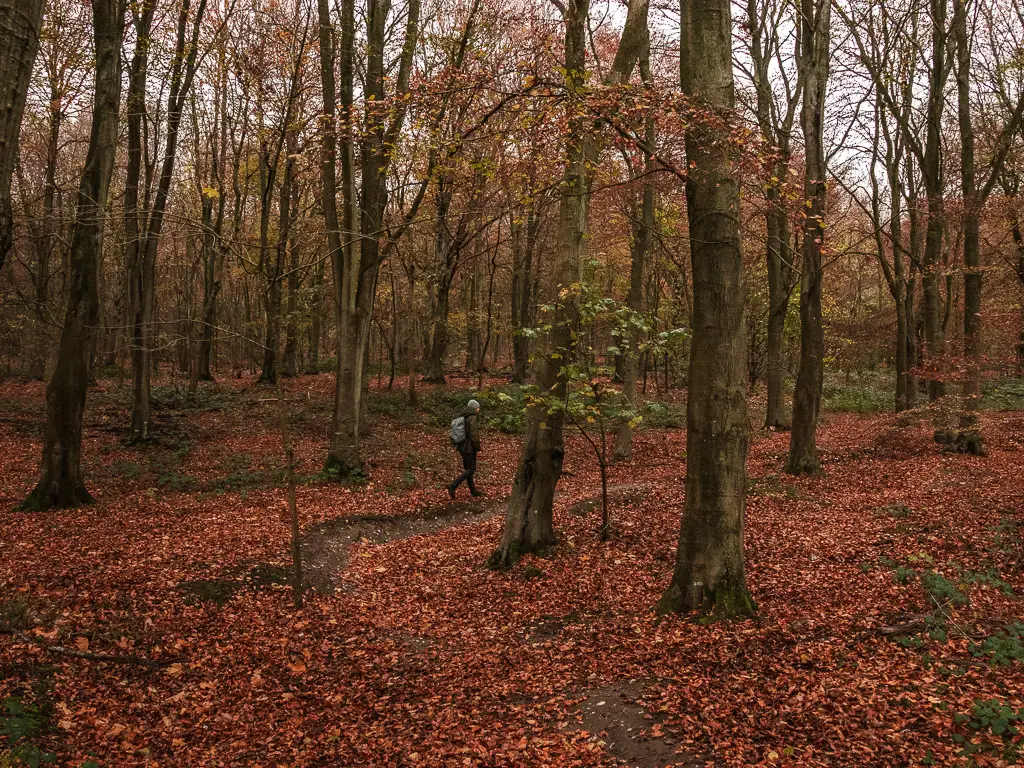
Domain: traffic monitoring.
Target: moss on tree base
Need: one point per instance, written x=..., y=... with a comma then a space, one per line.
x=46, y=496
x=804, y=465
x=966, y=441
x=344, y=472
x=729, y=599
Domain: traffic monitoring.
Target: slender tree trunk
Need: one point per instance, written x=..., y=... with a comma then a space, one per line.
x=290, y=363
x=932, y=172
x=61, y=483
x=446, y=258
x=814, y=61
x=779, y=257
x=1018, y=240
x=274, y=266
x=20, y=24
x=211, y=287
x=972, y=232
x=776, y=124
x=643, y=230
x=48, y=241
x=522, y=293
x=315, y=309
x=709, y=569
x=473, y=318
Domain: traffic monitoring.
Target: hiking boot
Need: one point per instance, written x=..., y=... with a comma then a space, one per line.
x=451, y=491
x=474, y=492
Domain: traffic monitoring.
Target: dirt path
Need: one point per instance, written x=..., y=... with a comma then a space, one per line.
x=615, y=716
x=325, y=547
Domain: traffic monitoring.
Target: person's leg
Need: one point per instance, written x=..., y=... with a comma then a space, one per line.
x=466, y=475
x=468, y=468
x=469, y=464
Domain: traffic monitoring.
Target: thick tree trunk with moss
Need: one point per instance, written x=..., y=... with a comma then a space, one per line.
x=813, y=63
x=709, y=569
x=20, y=23
x=62, y=483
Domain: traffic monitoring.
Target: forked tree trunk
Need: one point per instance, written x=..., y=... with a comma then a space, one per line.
x=355, y=270
x=813, y=61
x=709, y=569
x=776, y=126
x=20, y=23
x=144, y=272
x=529, y=525
x=61, y=483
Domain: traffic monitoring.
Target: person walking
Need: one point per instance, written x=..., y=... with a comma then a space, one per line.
x=465, y=436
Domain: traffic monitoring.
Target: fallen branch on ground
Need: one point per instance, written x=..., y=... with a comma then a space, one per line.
x=74, y=653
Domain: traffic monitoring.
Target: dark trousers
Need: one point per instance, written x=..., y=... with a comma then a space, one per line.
x=468, y=470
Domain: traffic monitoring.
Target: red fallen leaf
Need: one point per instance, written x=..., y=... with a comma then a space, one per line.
x=82, y=643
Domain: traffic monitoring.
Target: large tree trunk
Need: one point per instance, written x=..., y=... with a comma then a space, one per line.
x=61, y=483
x=20, y=23
x=528, y=518
x=814, y=60
x=709, y=569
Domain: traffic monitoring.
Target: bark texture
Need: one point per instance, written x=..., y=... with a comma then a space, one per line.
x=813, y=62
x=61, y=483
x=20, y=23
x=528, y=518
x=709, y=568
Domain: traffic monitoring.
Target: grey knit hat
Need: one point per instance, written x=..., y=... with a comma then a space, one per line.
x=473, y=405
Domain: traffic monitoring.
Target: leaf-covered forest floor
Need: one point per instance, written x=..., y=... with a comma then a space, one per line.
x=890, y=628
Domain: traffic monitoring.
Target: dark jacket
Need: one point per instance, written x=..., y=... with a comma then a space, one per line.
x=472, y=443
